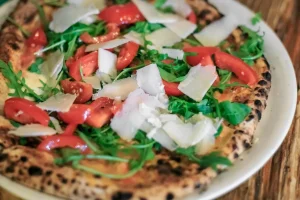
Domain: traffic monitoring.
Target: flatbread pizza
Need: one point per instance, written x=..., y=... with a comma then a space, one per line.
x=127, y=99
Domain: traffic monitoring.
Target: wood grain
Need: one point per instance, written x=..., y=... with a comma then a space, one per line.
x=280, y=177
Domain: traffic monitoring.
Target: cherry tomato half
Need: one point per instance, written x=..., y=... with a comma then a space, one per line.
x=121, y=14
x=77, y=114
x=25, y=112
x=38, y=37
x=87, y=63
x=113, y=31
x=172, y=89
x=70, y=129
x=84, y=91
x=231, y=63
x=203, y=55
x=60, y=141
x=192, y=17
x=126, y=55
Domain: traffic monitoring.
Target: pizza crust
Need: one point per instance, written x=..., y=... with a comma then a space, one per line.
x=166, y=177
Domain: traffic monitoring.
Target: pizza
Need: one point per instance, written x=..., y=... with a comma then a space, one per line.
x=127, y=99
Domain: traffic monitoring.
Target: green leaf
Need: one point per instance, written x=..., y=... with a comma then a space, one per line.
x=257, y=18
x=218, y=133
x=34, y=67
x=57, y=3
x=72, y=46
x=159, y=3
x=15, y=124
x=144, y=27
x=121, y=1
x=234, y=113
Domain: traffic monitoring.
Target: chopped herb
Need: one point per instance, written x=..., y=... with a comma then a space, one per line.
x=121, y=1
x=220, y=129
x=34, y=67
x=15, y=124
x=234, y=113
x=211, y=160
x=22, y=141
x=24, y=32
x=257, y=18
x=144, y=27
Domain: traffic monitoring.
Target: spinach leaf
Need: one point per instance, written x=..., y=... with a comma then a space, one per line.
x=234, y=113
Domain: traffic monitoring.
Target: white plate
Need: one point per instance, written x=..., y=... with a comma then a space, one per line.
x=271, y=131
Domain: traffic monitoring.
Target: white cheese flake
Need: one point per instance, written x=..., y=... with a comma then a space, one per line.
x=107, y=62
x=173, y=53
x=198, y=81
x=65, y=17
x=33, y=130
x=181, y=7
x=183, y=28
x=56, y=125
x=33, y=81
x=100, y=4
x=135, y=37
x=59, y=102
x=163, y=37
x=119, y=89
x=218, y=31
x=93, y=80
x=106, y=45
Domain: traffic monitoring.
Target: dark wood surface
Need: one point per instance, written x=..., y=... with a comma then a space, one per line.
x=280, y=177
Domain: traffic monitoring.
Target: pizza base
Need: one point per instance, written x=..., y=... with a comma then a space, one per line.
x=168, y=176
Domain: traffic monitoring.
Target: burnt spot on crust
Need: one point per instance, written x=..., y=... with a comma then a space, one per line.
x=28, y=19
x=122, y=196
x=143, y=198
x=262, y=83
x=62, y=179
x=23, y=159
x=170, y=196
x=197, y=186
x=48, y=173
x=10, y=168
x=246, y=144
x=3, y=157
x=14, y=46
x=97, y=176
x=178, y=171
x=257, y=103
x=267, y=76
x=203, y=13
x=258, y=113
x=35, y=171
x=235, y=155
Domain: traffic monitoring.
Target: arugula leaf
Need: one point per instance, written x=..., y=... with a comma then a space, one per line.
x=121, y=1
x=72, y=46
x=257, y=18
x=144, y=27
x=234, y=113
x=220, y=129
x=15, y=124
x=34, y=67
x=57, y=3
x=17, y=82
x=188, y=109
x=251, y=49
x=211, y=160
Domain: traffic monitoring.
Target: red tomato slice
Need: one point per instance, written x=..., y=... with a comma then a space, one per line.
x=231, y=63
x=126, y=55
x=172, y=89
x=38, y=37
x=202, y=53
x=77, y=114
x=121, y=14
x=70, y=129
x=88, y=64
x=101, y=113
x=192, y=17
x=113, y=31
x=25, y=112
x=80, y=52
x=84, y=91
x=60, y=141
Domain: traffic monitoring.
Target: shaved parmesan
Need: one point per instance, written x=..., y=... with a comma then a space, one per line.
x=56, y=125
x=6, y=9
x=33, y=130
x=205, y=145
x=106, y=45
x=33, y=81
x=152, y=14
x=193, y=132
x=164, y=139
x=149, y=79
x=100, y=4
x=183, y=28
x=173, y=53
x=103, y=77
x=139, y=111
x=93, y=80
x=198, y=81
x=59, y=102
x=107, y=62
x=179, y=6
x=163, y=37
x=119, y=89
x=89, y=20
x=68, y=15
x=216, y=32
x=135, y=37
x=52, y=67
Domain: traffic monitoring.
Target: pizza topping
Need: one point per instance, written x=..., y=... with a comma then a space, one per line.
x=183, y=28
x=173, y=53
x=83, y=91
x=100, y=4
x=179, y=6
x=117, y=90
x=94, y=81
x=77, y=114
x=202, y=77
x=106, y=45
x=56, y=125
x=162, y=37
x=135, y=37
x=127, y=54
x=33, y=130
x=59, y=102
x=107, y=62
x=121, y=14
x=216, y=32
x=68, y=15
x=25, y=112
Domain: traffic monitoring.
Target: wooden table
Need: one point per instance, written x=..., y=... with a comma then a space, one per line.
x=280, y=178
